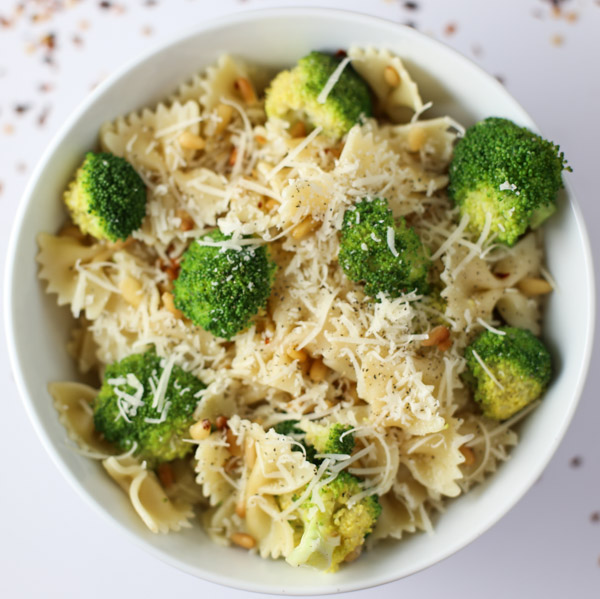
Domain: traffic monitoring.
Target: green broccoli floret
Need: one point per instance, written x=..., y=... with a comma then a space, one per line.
x=294, y=95
x=508, y=172
x=334, y=438
x=318, y=438
x=338, y=533
x=383, y=252
x=131, y=409
x=518, y=361
x=222, y=290
x=107, y=198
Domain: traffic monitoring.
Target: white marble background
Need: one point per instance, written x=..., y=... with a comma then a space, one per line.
x=53, y=52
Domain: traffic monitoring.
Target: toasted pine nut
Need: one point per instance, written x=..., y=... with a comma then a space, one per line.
x=298, y=129
x=260, y=139
x=187, y=222
x=318, y=371
x=271, y=204
x=169, y=304
x=416, y=138
x=200, y=430
x=469, y=455
x=190, y=141
x=240, y=508
x=172, y=272
x=233, y=156
x=234, y=448
x=224, y=114
x=243, y=540
x=221, y=422
x=165, y=475
x=390, y=74
x=131, y=288
x=246, y=90
x=533, y=286
x=307, y=226
x=436, y=336
x=445, y=345
x=296, y=354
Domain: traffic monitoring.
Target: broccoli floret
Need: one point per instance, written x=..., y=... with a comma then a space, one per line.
x=107, y=198
x=222, y=291
x=385, y=253
x=318, y=438
x=508, y=172
x=294, y=95
x=334, y=438
x=520, y=364
x=130, y=410
x=336, y=534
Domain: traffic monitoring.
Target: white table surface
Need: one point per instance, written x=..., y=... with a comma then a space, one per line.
x=51, y=543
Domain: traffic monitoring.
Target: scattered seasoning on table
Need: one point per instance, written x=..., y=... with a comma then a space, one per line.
x=22, y=108
x=43, y=116
x=595, y=517
x=147, y=30
x=411, y=5
x=557, y=40
x=8, y=129
x=576, y=461
x=450, y=29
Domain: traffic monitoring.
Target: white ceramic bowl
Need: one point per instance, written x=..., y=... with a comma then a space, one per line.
x=37, y=329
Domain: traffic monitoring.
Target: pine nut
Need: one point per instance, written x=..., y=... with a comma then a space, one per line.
x=469, y=455
x=190, y=141
x=296, y=354
x=436, y=336
x=165, y=475
x=307, y=226
x=233, y=156
x=131, y=289
x=298, y=129
x=271, y=204
x=260, y=139
x=445, y=345
x=200, y=430
x=221, y=422
x=234, y=448
x=390, y=74
x=187, y=222
x=318, y=371
x=224, y=115
x=169, y=304
x=416, y=139
x=534, y=286
x=240, y=508
x=246, y=90
x=243, y=540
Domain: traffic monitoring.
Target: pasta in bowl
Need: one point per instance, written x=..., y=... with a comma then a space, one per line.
x=321, y=351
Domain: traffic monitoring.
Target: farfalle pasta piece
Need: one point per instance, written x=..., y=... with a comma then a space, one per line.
x=391, y=83
x=147, y=495
x=212, y=456
x=73, y=402
x=434, y=460
x=220, y=81
x=68, y=267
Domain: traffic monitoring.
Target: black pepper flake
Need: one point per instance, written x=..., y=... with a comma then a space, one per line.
x=576, y=461
x=22, y=108
x=105, y=5
x=411, y=5
x=595, y=517
x=43, y=116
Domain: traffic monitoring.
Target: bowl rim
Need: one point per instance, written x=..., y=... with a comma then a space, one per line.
x=11, y=273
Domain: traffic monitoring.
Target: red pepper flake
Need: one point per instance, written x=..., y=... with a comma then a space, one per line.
x=450, y=29
x=267, y=340
x=43, y=116
x=501, y=275
x=341, y=53
x=147, y=30
x=45, y=87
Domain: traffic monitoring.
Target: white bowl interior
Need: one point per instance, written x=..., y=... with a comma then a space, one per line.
x=37, y=329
